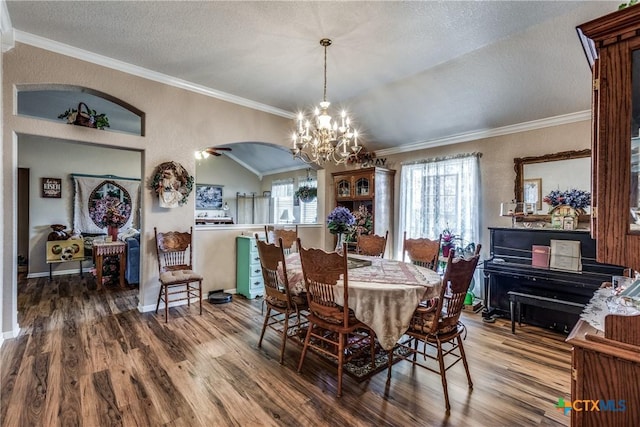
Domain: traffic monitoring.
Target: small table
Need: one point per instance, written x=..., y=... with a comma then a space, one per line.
x=104, y=249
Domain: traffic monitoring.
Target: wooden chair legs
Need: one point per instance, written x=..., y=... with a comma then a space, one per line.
x=188, y=289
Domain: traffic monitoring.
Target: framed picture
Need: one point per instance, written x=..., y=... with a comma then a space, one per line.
x=533, y=192
x=208, y=196
x=52, y=188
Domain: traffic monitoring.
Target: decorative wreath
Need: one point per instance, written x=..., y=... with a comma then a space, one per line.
x=172, y=176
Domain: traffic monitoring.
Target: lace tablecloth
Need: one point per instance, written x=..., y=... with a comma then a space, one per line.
x=383, y=295
x=603, y=303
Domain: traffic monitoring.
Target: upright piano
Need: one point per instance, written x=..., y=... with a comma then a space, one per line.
x=509, y=269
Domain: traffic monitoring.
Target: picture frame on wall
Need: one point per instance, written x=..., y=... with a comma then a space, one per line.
x=52, y=188
x=533, y=192
x=208, y=197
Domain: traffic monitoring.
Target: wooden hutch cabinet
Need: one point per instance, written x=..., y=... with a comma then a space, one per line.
x=612, y=44
x=371, y=187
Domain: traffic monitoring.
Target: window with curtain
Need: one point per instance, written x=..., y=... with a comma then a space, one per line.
x=282, y=196
x=308, y=212
x=440, y=193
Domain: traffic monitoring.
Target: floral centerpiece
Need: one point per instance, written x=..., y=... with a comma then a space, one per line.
x=577, y=199
x=363, y=224
x=340, y=220
x=109, y=211
x=113, y=217
x=306, y=193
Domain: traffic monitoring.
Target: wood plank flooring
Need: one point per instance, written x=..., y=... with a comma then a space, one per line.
x=88, y=358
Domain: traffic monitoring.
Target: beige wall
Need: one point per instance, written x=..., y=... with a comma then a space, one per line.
x=496, y=166
x=178, y=122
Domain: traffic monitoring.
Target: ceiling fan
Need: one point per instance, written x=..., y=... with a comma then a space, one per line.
x=214, y=150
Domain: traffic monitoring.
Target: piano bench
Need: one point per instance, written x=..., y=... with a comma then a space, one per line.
x=518, y=298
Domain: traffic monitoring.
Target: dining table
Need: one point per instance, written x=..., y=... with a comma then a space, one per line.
x=383, y=293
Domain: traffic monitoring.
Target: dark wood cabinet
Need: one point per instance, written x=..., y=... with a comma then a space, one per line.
x=370, y=187
x=605, y=367
x=614, y=41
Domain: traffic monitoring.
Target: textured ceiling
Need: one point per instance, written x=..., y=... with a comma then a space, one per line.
x=409, y=72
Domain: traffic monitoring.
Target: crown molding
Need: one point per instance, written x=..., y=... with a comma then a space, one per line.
x=6, y=29
x=94, y=58
x=489, y=133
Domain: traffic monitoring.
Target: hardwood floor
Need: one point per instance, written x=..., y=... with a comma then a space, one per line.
x=90, y=358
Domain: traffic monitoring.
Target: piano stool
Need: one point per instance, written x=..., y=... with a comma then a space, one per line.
x=518, y=298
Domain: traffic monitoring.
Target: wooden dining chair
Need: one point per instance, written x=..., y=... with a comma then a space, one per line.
x=288, y=238
x=372, y=244
x=282, y=306
x=178, y=281
x=421, y=251
x=347, y=335
x=437, y=325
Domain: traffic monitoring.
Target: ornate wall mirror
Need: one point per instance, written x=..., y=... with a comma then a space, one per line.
x=536, y=176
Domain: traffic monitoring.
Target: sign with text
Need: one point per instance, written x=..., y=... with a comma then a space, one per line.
x=52, y=188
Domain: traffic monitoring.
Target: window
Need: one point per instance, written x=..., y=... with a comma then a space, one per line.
x=308, y=212
x=440, y=193
x=282, y=196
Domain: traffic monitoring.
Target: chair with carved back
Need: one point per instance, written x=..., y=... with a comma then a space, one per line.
x=372, y=244
x=282, y=306
x=437, y=325
x=288, y=236
x=322, y=271
x=422, y=251
x=178, y=281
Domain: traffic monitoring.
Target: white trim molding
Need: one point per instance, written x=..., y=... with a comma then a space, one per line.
x=488, y=133
x=6, y=29
x=84, y=55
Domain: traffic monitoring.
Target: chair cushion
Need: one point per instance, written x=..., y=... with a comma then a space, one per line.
x=179, y=276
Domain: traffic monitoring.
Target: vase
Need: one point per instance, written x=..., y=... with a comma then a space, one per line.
x=446, y=249
x=340, y=239
x=113, y=232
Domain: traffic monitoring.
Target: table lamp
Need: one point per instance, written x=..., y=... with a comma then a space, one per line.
x=285, y=216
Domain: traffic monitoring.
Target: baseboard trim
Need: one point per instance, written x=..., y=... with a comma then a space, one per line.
x=152, y=307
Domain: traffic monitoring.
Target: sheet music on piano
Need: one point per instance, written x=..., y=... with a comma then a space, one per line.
x=565, y=255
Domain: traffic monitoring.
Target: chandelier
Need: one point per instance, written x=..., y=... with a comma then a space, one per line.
x=322, y=139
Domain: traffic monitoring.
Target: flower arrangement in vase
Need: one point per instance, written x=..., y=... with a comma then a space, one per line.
x=339, y=222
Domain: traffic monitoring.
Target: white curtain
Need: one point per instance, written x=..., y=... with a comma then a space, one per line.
x=440, y=193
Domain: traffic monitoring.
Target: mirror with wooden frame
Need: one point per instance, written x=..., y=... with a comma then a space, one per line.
x=536, y=176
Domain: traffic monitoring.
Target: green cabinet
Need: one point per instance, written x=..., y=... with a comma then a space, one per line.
x=249, y=280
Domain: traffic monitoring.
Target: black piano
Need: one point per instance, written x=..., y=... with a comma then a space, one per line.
x=510, y=269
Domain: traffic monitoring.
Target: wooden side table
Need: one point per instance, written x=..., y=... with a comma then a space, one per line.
x=104, y=249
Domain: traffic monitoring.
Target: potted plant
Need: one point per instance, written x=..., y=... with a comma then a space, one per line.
x=448, y=241
x=306, y=193
x=84, y=116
